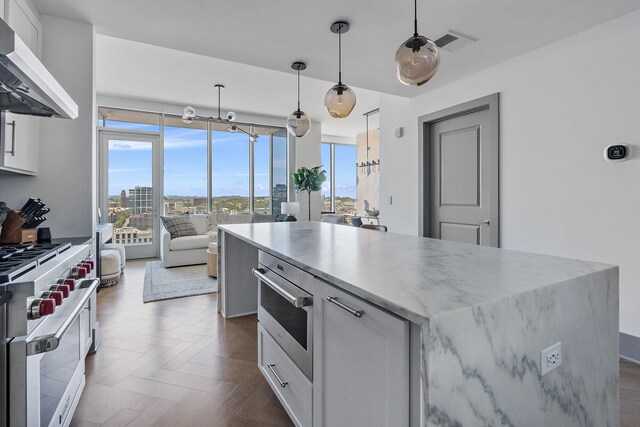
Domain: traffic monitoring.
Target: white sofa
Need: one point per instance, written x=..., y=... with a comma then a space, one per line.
x=192, y=250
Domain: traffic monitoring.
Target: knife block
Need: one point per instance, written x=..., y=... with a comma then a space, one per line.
x=21, y=236
x=11, y=228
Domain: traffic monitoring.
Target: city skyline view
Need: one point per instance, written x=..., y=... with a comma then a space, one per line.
x=185, y=163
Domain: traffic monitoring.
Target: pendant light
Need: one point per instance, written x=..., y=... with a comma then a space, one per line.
x=340, y=99
x=417, y=59
x=190, y=114
x=298, y=123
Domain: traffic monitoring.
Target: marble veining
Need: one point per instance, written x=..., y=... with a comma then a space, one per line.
x=415, y=277
x=484, y=314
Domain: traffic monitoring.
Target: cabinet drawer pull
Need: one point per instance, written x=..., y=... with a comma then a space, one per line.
x=272, y=368
x=356, y=313
x=13, y=139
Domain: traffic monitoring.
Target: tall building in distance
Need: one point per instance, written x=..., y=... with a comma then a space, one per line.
x=123, y=199
x=141, y=200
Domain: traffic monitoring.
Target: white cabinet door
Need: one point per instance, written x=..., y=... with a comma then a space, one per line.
x=24, y=21
x=20, y=137
x=20, y=133
x=361, y=364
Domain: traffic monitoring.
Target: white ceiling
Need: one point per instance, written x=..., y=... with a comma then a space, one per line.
x=142, y=71
x=272, y=34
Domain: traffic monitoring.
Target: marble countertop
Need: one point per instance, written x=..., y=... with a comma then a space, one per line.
x=415, y=277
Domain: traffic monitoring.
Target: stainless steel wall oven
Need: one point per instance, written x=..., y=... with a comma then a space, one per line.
x=285, y=308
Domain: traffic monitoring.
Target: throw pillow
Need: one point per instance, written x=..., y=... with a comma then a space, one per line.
x=178, y=226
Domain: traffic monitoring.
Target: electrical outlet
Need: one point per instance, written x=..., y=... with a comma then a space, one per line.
x=550, y=358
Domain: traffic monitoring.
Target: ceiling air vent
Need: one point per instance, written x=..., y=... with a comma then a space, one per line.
x=453, y=41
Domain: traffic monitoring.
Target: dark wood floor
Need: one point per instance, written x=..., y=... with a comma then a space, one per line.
x=179, y=363
x=173, y=363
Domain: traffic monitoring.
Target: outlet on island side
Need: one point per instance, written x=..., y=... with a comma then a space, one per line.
x=550, y=358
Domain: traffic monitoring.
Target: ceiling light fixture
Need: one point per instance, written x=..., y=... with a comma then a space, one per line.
x=190, y=114
x=235, y=128
x=340, y=99
x=417, y=59
x=298, y=123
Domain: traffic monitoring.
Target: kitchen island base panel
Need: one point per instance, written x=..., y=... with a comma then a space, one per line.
x=238, y=290
x=484, y=362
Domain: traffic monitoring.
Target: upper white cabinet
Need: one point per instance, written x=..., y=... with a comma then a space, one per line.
x=360, y=362
x=19, y=151
x=19, y=132
x=22, y=18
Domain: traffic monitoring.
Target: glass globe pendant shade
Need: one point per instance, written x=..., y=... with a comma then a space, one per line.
x=298, y=124
x=417, y=61
x=339, y=101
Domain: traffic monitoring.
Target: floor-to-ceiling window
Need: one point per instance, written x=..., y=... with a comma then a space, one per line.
x=204, y=166
x=326, y=156
x=185, y=166
x=230, y=170
x=339, y=192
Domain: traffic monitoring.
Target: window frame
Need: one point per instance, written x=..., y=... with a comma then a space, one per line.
x=332, y=172
x=289, y=155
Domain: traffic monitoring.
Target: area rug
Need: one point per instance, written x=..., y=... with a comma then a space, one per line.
x=162, y=283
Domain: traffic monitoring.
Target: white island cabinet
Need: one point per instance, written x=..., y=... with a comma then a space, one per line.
x=20, y=132
x=360, y=361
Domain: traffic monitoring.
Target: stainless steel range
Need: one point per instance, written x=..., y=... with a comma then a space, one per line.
x=47, y=320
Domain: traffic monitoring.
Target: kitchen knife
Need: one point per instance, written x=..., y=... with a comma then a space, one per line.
x=27, y=204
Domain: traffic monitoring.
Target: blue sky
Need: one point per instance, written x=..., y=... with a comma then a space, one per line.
x=185, y=163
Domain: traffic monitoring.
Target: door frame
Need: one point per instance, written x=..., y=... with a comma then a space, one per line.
x=157, y=154
x=491, y=103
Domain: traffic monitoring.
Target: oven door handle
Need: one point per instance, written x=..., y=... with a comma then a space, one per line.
x=296, y=301
x=46, y=343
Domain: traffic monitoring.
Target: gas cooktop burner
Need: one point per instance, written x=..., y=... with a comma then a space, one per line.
x=16, y=260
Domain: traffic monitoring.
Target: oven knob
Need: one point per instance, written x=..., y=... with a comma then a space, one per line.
x=87, y=266
x=90, y=262
x=41, y=307
x=57, y=296
x=78, y=272
x=71, y=283
x=62, y=288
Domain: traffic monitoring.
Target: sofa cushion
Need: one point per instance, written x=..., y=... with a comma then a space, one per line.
x=260, y=217
x=241, y=218
x=200, y=223
x=199, y=241
x=178, y=226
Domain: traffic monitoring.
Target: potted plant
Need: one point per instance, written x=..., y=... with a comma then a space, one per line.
x=309, y=180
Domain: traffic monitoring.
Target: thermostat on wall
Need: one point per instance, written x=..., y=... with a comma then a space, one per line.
x=616, y=153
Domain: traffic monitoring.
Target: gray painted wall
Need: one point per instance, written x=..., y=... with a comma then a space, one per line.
x=66, y=178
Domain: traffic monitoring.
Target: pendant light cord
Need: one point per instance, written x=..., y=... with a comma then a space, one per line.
x=219, y=118
x=298, y=88
x=415, y=18
x=340, y=54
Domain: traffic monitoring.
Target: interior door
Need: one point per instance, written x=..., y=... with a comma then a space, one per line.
x=462, y=168
x=131, y=189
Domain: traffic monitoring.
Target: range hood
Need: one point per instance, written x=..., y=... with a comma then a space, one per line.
x=26, y=87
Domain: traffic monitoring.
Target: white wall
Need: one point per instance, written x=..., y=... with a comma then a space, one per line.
x=66, y=178
x=559, y=107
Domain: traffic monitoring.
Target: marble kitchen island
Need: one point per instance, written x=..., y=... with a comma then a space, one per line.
x=479, y=319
